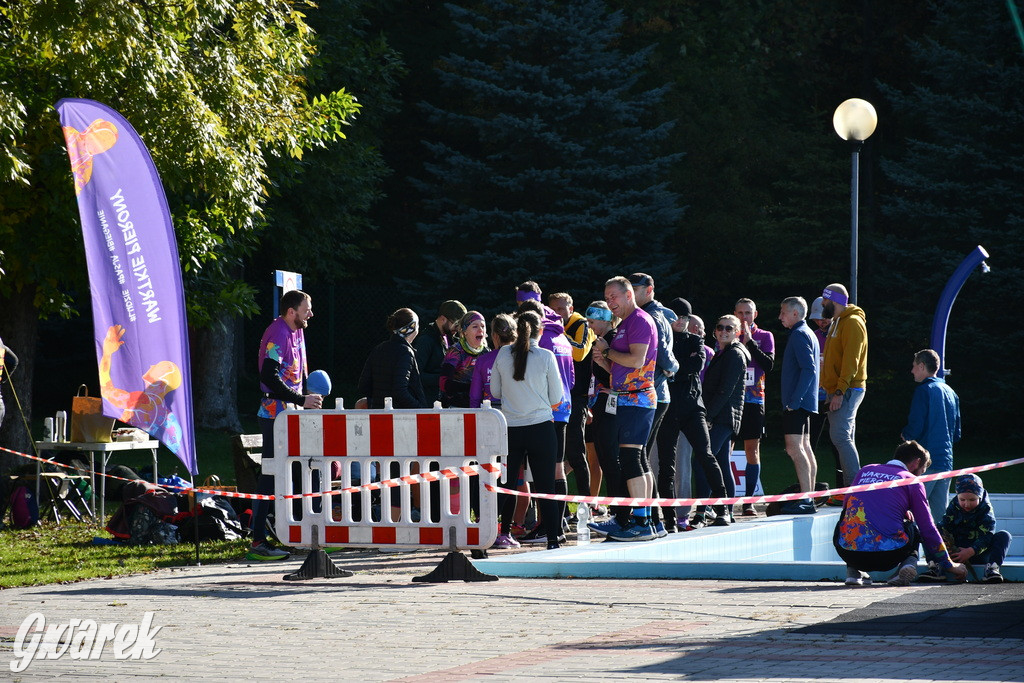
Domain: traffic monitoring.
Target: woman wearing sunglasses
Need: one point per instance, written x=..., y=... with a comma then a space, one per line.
x=723, y=395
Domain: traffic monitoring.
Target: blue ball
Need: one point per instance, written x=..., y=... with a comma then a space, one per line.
x=319, y=382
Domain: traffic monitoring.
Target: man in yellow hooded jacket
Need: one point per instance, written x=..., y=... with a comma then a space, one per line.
x=844, y=372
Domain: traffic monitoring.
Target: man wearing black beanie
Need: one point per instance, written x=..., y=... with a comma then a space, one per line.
x=686, y=414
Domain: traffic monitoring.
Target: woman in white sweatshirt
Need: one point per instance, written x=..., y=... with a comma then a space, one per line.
x=525, y=378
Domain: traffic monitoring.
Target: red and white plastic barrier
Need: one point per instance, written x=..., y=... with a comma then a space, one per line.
x=327, y=461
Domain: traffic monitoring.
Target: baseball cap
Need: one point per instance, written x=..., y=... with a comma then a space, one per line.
x=641, y=280
x=816, y=310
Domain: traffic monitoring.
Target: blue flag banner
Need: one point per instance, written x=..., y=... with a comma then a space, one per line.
x=138, y=301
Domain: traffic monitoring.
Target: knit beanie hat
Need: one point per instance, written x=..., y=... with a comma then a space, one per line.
x=970, y=483
x=452, y=309
x=680, y=306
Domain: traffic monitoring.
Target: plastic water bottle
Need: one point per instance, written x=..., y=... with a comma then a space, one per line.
x=60, y=426
x=582, y=530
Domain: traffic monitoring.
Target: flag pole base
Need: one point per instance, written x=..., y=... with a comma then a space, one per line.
x=454, y=567
x=318, y=565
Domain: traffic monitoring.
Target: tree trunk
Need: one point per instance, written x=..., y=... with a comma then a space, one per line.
x=19, y=326
x=215, y=377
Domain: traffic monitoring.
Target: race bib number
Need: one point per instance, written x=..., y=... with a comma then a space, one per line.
x=612, y=405
x=748, y=378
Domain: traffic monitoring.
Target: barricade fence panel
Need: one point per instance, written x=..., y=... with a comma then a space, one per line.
x=320, y=451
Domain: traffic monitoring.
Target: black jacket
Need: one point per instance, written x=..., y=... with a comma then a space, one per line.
x=685, y=387
x=391, y=370
x=430, y=352
x=723, y=386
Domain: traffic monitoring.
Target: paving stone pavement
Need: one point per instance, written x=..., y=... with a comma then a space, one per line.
x=243, y=621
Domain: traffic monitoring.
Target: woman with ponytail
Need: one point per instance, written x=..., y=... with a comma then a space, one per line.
x=503, y=333
x=391, y=370
x=525, y=378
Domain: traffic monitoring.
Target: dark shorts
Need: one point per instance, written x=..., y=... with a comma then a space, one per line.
x=634, y=424
x=796, y=421
x=752, y=426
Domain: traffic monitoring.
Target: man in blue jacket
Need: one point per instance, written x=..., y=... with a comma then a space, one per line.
x=934, y=423
x=799, y=396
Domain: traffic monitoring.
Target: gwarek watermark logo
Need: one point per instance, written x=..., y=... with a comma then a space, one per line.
x=82, y=639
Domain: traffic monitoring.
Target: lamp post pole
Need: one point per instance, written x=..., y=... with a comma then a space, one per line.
x=854, y=217
x=855, y=121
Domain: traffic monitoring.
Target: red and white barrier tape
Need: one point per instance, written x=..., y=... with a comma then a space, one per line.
x=448, y=473
x=675, y=502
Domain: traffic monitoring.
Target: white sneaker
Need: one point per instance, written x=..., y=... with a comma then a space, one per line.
x=855, y=577
x=904, y=576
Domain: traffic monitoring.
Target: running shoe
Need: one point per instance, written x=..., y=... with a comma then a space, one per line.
x=605, y=527
x=264, y=552
x=904, y=576
x=748, y=510
x=855, y=577
x=932, y=575
x=537, y=536
x=992, y=574
x=721, y=520
x=518, y=531
x=505, y=541
x=660, y=531
x=636, y=531
x=698, y=522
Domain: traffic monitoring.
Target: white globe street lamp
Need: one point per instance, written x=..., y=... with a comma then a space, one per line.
x=855, y=120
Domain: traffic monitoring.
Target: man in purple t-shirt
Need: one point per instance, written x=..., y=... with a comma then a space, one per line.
x=282, y=369
x=761, y=345
x=630, y=359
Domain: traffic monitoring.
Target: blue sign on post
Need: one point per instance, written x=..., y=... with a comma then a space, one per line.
x=286, y=281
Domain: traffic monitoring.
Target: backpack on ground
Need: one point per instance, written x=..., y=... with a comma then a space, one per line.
x=24, y=507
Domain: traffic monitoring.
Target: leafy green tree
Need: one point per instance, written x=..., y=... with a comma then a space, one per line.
x=214, y=87
x=546, y=163
x=322, y=203
x=955, y=186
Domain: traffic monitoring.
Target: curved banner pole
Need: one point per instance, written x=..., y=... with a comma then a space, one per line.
x=941, y=321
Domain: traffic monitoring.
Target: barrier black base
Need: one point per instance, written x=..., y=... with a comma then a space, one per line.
x=318, y=565
x=454, y=567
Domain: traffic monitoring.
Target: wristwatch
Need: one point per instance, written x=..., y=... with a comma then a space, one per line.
x=838, y=393
x=604, y=352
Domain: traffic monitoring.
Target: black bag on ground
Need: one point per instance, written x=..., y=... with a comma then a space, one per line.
x=145, y=516
x=115, y=487
x=217, y=521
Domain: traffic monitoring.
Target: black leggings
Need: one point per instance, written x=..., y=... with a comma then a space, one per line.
x=535, y=445
x=881, y=560
x=606, y=443
x=576, y=447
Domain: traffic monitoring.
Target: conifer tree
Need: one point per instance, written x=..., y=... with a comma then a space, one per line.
x=957, y=185
x=545, y=164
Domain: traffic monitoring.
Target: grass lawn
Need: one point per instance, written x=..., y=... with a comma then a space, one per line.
x=52, y=553
x=60, y=553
